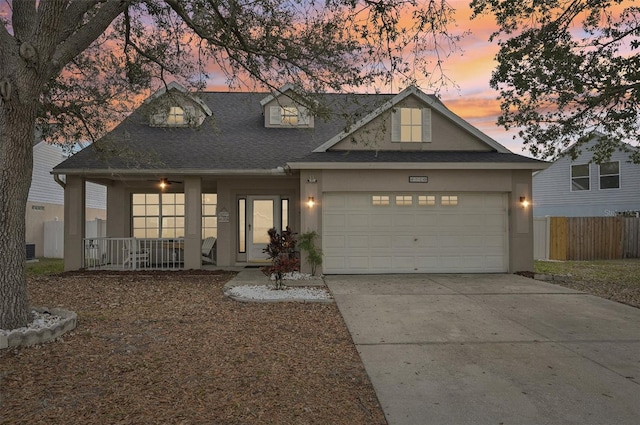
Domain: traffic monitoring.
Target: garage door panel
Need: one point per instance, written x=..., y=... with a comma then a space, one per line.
x=358, y=221
x=359, y=237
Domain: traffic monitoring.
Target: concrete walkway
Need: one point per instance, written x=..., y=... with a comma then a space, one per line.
x=492, y=349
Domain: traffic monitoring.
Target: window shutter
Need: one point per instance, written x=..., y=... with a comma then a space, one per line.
x=303, y=116
x=275, y=116
x=426, y=124
x=395, y=125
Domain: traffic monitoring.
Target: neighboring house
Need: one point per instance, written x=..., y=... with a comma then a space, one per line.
x=407, y=187
x=581, y=188
x=46, y=197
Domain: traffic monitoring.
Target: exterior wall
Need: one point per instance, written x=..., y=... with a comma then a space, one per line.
x=39, y=213
x=552, y=195
x=46, y=197
x=230, y=190
x=514, y=183
x=445, y=135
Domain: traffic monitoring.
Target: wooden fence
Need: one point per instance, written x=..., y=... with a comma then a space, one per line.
x=593, y=238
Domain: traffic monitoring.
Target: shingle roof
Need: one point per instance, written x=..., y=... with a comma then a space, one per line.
x=235, y=138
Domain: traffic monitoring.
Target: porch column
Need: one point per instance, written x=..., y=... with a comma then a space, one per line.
x=118, y=211
x=192, y=223
x=74, y=222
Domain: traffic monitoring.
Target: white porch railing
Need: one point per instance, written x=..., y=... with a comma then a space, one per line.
x=133, y=254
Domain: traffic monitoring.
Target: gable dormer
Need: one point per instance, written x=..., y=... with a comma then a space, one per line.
x=286, y=109
x=175, y=106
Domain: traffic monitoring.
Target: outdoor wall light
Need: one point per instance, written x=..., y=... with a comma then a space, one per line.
x=311, y=202
x=524, y=202
x=312, y=179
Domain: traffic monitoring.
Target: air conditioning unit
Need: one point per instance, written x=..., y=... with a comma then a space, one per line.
x=31, y=251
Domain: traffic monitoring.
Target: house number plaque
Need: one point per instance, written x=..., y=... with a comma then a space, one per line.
x=418, y=179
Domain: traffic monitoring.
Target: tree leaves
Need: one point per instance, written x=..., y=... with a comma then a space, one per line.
x=567, y=69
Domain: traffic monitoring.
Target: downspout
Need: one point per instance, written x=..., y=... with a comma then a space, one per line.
x=58, y=180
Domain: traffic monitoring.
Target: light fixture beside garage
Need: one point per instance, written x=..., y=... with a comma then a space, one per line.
x=311, y=202
x=523, y=202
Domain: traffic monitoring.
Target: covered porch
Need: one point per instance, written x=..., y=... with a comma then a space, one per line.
x=192, y=223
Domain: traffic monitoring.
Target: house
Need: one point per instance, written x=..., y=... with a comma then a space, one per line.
x=391, y=183
x=45, y=202
x=582, y=188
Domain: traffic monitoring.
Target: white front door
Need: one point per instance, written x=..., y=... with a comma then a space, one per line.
x=263, y=213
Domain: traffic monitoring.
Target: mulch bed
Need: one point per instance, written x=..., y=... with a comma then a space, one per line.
x=170, y=348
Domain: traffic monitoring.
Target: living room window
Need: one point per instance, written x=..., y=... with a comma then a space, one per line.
x=209, y=217
x=580, y=177
x=411, y=125
x=610, y=175
x=161, y=215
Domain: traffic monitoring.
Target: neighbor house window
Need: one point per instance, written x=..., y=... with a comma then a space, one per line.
x=610, y=175
x=209, y=217
x=404, y=200
x=449, y=200
x=158, y=215
x=579, y=177
x=380, y=200
x=411, y=125
x=426, y=200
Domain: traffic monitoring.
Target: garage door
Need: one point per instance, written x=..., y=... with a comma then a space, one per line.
x=414, y=233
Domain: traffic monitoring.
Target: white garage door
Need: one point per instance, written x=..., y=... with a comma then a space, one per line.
x=414, y=233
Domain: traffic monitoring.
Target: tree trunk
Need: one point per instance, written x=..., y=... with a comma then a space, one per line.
x=17, y=124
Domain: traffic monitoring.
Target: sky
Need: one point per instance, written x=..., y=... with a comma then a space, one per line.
x=470, y=69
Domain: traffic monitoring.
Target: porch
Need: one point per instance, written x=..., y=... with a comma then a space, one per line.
x=141, y=253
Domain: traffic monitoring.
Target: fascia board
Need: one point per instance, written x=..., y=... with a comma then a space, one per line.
x=418, y=166
x=172, y=172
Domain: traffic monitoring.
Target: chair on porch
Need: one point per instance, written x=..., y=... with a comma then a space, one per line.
x=134, y=254
x=208, y=251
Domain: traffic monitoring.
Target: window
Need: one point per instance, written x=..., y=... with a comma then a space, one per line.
x=610, y=175
x=158, y=215
x=242, y=234
x=284, y=204
x=176, y=116
x=209, y=217
x=380, y=200
x=404, y=200
x=289, y=116
x=411, y=125
x=448, y=200
x=579, y=177
x=426, y=200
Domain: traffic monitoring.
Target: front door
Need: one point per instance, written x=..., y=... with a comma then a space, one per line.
x=263, y=213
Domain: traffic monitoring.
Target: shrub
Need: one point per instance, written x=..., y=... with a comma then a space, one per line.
x=307, y=242
x=282, y=253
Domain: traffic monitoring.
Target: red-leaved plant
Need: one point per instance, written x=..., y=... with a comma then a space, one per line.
x=282, y=253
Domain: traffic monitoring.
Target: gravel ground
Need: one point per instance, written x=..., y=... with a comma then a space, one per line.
x=170, y=348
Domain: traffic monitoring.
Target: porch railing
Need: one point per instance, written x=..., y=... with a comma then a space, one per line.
x=133, y=253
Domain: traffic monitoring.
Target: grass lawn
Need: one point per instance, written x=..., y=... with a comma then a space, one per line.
x=618, y=280
x=45, y=266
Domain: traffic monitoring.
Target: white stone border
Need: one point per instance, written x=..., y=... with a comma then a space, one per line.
x=18, y=338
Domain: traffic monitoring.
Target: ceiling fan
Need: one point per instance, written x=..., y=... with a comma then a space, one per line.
x=164, y=182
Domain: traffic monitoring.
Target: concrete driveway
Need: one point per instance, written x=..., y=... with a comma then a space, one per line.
x=492, y=349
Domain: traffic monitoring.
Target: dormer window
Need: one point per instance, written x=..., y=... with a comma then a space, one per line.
x=289, y=116
x=411, y=125
x=176, y=116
